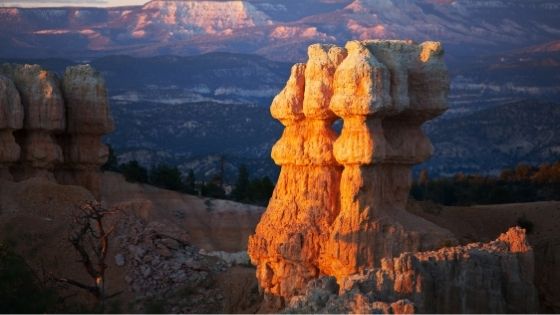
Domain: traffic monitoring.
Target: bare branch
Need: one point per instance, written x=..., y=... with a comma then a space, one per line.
x=91, y=242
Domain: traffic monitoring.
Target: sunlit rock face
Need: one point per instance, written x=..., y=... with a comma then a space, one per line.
x=494, y=277
x=53, y=128
x=287, y=244
x=339, y=205
x=384, y=91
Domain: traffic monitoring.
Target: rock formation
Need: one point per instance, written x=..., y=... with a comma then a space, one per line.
x=58, y=125
x=338, y=209
x=384, y=91
x=324, y=221
x=306, y=195
x=88, y=120
x=495, y=277
x=11, y=119
x=44, y=119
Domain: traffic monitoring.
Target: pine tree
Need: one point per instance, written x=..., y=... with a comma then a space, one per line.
x=241, y=190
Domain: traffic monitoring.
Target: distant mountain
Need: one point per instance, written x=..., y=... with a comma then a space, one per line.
x=492, y=139
x=279, y=30
x=192, y=111
x=478, y=82
x=196, y=136
x=490, y=80
x=216, y=77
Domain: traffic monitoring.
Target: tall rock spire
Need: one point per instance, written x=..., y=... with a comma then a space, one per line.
x=339, y=205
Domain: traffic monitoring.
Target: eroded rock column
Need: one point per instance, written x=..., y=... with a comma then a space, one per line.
x=289, y=237
x=44, y=119
x=11, y=119
x=322, y=221
x=88, y=120
x=384, y=91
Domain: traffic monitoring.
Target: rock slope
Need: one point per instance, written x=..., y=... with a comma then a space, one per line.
x=156, y=260
x=52, y=128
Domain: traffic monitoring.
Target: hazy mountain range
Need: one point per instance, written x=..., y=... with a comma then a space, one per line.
x=279, y=30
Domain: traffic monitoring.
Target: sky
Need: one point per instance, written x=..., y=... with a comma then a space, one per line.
x=64, y=3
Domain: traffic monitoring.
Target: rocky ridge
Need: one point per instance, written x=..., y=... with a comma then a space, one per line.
x=52, y=128
x=494, y=277
x=275, y=29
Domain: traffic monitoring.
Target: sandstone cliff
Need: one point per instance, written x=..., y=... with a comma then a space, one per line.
x=339, y=205
x=52, y=128
x=494, y=277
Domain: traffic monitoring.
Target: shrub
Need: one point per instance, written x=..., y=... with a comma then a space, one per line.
x=21, y=291
x=134, y=172
x=165, y=176
x=523, y=222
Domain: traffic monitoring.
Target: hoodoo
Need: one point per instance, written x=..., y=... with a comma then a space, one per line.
x=339, y=206
x=44, y=119
x=384, y=91
x=288, y=241
x=88, y=120
x=11, y=119
x=52, y=128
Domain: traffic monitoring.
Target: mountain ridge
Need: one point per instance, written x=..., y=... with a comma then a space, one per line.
x=267, y=28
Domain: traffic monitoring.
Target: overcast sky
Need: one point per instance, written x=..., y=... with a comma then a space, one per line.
x=63, y=3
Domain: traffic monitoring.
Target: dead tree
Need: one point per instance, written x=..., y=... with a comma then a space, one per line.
x=90, y=239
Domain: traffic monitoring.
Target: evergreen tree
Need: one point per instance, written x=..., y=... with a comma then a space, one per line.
x=190, y=182
x=165, y=176
x=112, y=163
x=423, y=180
x=241, y=190
x=134, y=172
x=260, y=190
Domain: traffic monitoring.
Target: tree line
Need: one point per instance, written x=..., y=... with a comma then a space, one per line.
x=523, y=183
x=257, y=190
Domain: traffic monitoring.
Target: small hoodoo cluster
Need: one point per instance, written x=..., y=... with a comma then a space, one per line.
x=53, y=128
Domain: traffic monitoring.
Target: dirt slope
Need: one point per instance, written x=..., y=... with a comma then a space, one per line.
x=212, y=224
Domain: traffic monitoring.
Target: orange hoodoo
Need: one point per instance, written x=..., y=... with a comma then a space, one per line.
x=339, y=204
